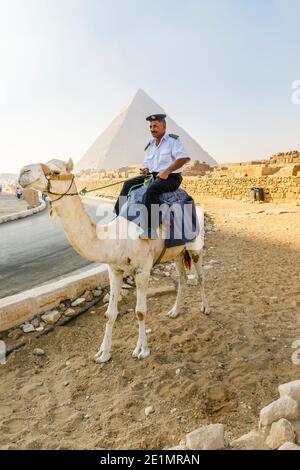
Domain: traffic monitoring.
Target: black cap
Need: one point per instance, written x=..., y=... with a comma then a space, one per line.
x=156, y=117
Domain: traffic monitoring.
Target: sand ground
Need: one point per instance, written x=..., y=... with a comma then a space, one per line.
x=222, y=368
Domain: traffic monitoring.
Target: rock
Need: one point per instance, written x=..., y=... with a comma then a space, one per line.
x=123, y=293
x=177, y=371
x=106, y=298
x=51, y=317
x=214, y=261
x=62, y=306
x=78, y=302
x=251, y=441
x=209, y=437
x=149, y=410
x=126, y=286
x=167, y=267
x=15, y=334
x=39, y=328
x=191, y=276
x=130, y=281
x=27, y=328
x=88, y=295
x=97, y=292
x=291, y=389
x=296, y=427
x=177, y=448
x=284, y=407
x=69, y=312
x=281, y=431
x=35, y=322
x=38, y=352
x=206, y=336
x=289, y=446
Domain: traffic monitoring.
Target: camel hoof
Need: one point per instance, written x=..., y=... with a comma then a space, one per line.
x=205, y=310
x=140, y=353
x=144, y=353
x=103, y=357
x=172, y=313
x=98, y=353
x=136, y=351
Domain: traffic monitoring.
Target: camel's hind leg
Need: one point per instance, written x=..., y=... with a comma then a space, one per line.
x=197, y=258
x=179, y=265
x=115, y=279
x=142, y=276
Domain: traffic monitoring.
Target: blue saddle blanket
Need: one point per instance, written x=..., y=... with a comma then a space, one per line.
x=177, y=214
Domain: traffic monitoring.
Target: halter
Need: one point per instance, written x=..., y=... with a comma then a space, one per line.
x=52, y=177
x=60, y=178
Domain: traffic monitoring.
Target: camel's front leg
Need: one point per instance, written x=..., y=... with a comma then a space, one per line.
x=141, y=279
x=115, y=279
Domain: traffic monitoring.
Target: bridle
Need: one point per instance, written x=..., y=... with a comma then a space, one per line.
x=53, y=177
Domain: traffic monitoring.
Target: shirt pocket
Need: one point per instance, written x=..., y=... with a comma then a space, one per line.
x=165, y=158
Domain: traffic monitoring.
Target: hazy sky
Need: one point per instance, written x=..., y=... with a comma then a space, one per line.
x=223, y=69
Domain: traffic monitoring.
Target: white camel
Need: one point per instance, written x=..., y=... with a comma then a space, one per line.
x=131, y=256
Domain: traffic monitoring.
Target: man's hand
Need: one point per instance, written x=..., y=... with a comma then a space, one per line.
x=144, y=171
x=163, y=175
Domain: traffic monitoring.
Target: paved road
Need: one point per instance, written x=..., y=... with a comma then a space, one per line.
x=33, y=251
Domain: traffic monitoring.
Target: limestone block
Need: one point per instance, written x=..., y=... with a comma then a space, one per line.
x=209, y=437
x=284, y=407
x=252, y=441
x=281, y=431
x=291, y=389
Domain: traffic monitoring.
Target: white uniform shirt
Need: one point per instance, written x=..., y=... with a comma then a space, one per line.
x=159, y=157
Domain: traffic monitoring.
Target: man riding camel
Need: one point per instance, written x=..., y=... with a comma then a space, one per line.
x=165, y=156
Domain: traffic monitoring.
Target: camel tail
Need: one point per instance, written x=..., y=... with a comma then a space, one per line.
x=187, y=261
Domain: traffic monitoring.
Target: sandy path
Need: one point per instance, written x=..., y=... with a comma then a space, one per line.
x=9, y=204
x=230, y=363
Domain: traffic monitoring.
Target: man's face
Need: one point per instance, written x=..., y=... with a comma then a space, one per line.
x=157, y=128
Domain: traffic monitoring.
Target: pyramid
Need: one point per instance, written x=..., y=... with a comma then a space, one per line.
x=122, y=143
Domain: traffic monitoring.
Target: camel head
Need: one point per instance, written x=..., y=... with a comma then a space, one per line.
x=37, y=175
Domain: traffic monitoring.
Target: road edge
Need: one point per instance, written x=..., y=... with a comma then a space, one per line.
x=18, y=308
x=22, y=214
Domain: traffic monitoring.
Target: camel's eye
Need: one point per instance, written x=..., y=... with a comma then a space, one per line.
x=55, y=172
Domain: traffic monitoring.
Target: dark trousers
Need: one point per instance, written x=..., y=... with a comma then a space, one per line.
x=154, y=189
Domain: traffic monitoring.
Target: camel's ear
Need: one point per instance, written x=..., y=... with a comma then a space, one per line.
x=70, y=165
x=45, y=169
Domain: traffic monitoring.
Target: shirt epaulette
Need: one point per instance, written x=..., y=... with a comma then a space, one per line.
x=147, y=145
x=174, y=136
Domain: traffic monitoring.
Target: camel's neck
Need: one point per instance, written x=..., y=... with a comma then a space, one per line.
x=80, y=229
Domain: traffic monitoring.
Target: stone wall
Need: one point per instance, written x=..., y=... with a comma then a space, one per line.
x=284, y=189
x=277, y=189
x=31, y=197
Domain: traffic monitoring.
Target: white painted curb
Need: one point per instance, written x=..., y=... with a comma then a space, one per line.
x=17, y=309
x=22, y=214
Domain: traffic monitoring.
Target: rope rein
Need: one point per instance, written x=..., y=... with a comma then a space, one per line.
x=84, y=191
